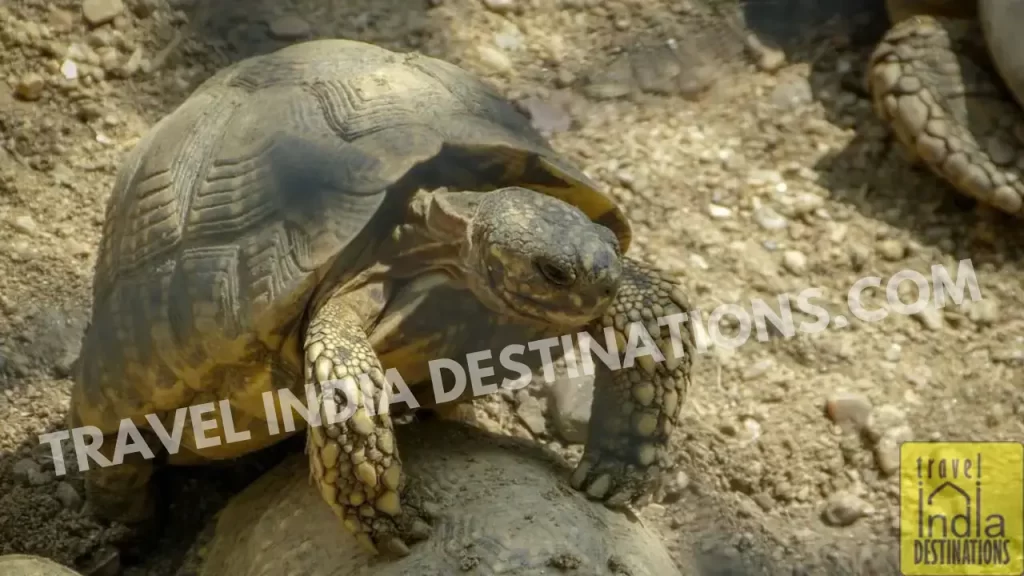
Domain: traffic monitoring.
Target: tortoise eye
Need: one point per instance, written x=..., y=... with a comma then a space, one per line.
x=556, y=273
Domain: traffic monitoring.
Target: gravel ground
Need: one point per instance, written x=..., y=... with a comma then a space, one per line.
x=773, y=178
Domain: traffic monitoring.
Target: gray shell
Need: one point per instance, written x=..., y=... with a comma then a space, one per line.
x=26, y=565
x=504, y=508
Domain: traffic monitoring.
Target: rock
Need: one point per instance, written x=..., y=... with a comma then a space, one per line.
x=495, y=59
x=930, y=318
x=68, y=496
x=69, y=69
x=41, y=478
x=894, y=353
x=571, y=400
x=767, y=218
x=882, y=419
x=61, y=20
x=25, y=224
x=807, y=203
x=849, y=410
x=57, y=339
x=892, y=250
x=791, y=93
x=984, y=312
x=844, y=508
x=531, y=413
x=887, y=452
x=547, y=116
x=25, y=470
x=719, y=212
x=500, y=6
x=674, y=487
x=859, y=256
x=795, y=262
x=30, y=87
x=143, y=8
x=289, y=27
x=99, y=12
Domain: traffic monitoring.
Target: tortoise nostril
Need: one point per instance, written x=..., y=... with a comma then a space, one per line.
x=557, y=274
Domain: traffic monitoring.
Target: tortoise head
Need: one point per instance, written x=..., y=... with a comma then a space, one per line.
x=531, y=256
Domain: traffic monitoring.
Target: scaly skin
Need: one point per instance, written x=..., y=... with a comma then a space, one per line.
x=931, y=81
x=355, y=463
x=636, y=408
x=634, y=413
x=521, y=253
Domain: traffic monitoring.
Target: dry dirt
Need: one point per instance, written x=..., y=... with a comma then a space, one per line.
x=770, y=183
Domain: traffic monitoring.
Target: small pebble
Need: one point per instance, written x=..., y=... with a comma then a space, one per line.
x=99, y=12
x=67, y=496
x=844, y=508
x=859, y=256
x=69, y=69
x=884, y=418
x=795, y=262
x=719, y=212
x=495, y=59
x=25, y=224
x=887, y=452
x=791, y=93
x=571, y=399
x=931, y=318
x=768, y=219
x=894, y=353
x=500, y=6
x=30, y=87
x=25, y=470
x=849, y=410
x=984, y=312
x=289, y=27
x=892, y=250
x=531, y=413
x=547, y=116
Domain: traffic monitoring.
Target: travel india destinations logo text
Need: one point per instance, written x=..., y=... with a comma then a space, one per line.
x=961, y=508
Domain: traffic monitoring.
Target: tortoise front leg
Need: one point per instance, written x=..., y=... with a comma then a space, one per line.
x=355, y=462
x=636, y=408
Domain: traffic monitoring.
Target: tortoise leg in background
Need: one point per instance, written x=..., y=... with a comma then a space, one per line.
x=932, y=83
x=355, y=462
x=636, y=408
x=124, y=493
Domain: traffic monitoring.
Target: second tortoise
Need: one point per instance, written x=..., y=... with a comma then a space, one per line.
x=948, y=78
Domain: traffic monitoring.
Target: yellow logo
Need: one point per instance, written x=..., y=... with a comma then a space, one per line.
x=961, y=508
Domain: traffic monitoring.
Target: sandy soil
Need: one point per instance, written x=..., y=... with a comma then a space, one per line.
x=777, y=179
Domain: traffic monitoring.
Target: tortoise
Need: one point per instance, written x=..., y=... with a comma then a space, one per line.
x=291, y=224
x=277, y=524
x=948, y=78
x=31, y=565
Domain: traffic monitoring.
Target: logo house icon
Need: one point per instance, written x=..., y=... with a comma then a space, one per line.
x=962, y=508
x=949, y=497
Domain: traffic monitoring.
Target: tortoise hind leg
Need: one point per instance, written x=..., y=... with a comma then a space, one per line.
x=636, y=407
x=933, y=85
x=128, y=493
x=355, y=461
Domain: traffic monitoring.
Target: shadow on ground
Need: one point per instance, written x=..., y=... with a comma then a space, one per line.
x=216, y=33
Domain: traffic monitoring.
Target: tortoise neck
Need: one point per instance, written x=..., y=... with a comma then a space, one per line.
x=433, y=235
x=443, y=216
